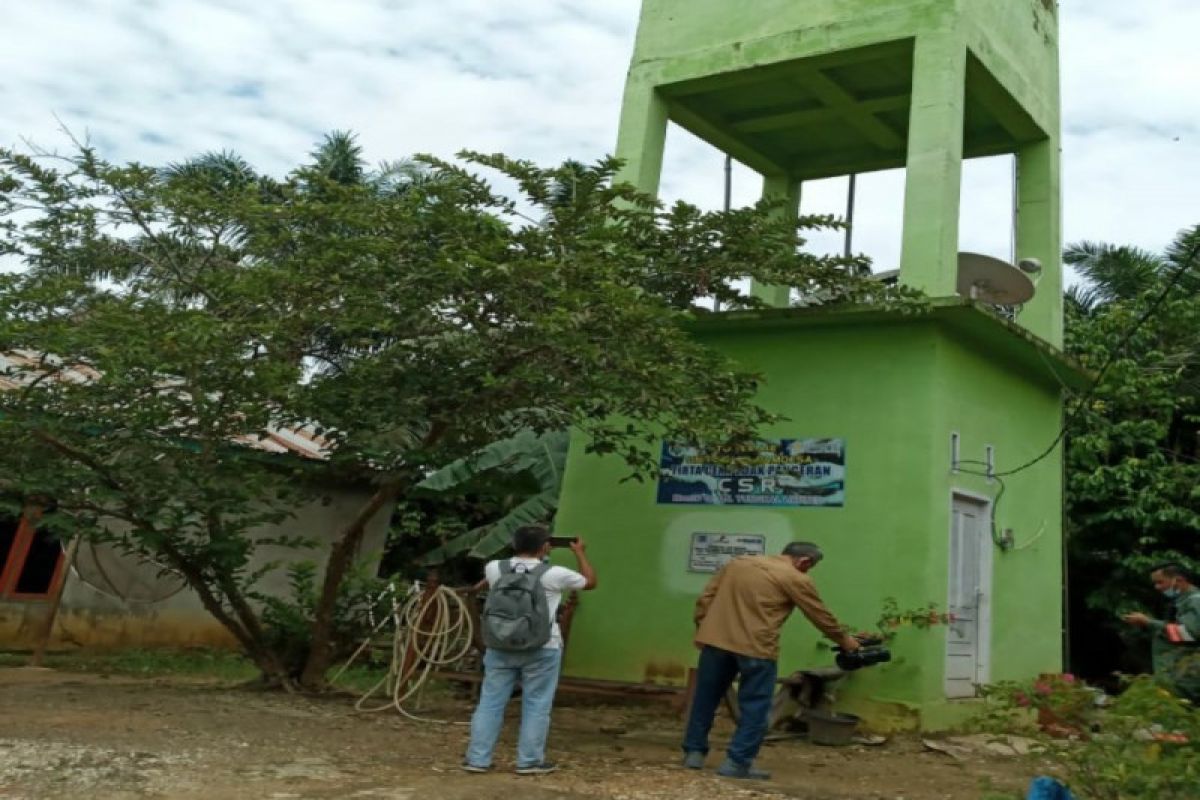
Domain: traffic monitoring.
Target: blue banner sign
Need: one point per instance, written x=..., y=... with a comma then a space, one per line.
x=787, y=472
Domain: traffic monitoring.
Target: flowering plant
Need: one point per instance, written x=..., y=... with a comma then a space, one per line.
x=1063, y=704
x=1140, y=745
x=891, y=618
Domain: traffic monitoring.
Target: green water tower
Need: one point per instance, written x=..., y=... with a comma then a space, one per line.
x=898, y=428
x=800, y=90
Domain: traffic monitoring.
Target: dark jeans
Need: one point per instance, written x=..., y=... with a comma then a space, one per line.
x=756, y=688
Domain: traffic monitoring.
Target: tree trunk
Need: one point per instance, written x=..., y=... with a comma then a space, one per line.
x=251, y=637
x=275, y=669
x=256, y=650
x=272, y=668
x=341, y=555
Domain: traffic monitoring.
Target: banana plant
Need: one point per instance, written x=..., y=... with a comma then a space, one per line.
x=541, y=456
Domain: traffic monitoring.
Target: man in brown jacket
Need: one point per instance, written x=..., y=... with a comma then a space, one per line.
x=738, y=618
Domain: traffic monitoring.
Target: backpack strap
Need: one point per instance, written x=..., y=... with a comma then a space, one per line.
x=537, y=572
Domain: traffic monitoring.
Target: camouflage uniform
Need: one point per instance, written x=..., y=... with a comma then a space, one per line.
x=1176, y=647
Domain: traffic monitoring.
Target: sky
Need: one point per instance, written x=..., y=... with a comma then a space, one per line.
x=157, y=81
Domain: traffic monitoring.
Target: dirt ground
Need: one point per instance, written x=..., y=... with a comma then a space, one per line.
x=68, y=735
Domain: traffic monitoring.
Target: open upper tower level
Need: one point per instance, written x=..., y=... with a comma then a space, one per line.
x=806, y=89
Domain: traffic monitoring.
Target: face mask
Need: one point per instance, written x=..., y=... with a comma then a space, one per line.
x=1171, y=593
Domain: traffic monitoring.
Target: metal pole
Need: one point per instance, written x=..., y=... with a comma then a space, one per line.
x=1016, y=209
x=728, y=204
x=728, y=182
x=850, y=215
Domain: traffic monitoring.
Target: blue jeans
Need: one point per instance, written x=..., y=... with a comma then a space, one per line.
x=756, y=688
x=538, y=672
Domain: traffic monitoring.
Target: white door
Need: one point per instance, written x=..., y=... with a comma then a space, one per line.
x=968, y=635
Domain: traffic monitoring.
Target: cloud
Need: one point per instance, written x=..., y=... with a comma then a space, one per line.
x=159, y=80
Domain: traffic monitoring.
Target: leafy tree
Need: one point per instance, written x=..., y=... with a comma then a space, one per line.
x=410, y=317
x=1133, y=457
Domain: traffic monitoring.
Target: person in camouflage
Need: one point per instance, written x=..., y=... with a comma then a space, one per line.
x=1176, y=648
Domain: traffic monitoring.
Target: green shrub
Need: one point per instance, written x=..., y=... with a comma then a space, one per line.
x=1143, y=745
x=362, y=601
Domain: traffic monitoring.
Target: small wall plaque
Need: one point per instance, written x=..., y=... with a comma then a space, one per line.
x=711, y=551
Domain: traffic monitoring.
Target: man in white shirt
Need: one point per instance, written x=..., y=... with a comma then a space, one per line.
x=537, y=670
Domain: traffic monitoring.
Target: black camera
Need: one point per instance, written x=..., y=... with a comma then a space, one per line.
x=872, y=652
x=863, y=657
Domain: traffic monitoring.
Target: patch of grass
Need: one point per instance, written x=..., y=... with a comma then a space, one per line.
x=194, y=663
x=200, y=663
x=359, y=678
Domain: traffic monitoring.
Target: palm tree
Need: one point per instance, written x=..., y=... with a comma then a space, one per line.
x=1115, y=273
x=1135, y=283
x=339, y=158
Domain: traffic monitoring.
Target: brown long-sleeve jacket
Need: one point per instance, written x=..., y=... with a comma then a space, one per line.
x=746, y=603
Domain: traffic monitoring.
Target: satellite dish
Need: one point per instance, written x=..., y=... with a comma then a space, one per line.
x=992, y=281
x=125, y=576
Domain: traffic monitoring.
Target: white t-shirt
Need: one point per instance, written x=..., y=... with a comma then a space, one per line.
x=556, y=581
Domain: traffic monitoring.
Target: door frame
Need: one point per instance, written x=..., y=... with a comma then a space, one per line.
x=983, y=666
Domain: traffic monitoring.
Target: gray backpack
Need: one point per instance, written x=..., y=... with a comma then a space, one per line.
x=516, y=616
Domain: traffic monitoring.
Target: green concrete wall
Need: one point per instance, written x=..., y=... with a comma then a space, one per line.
x=675, y=29
x=1019, y=416
x=894, y=391
x=1017, y=40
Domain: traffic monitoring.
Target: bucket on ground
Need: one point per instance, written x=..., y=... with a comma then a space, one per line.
x=830, y=728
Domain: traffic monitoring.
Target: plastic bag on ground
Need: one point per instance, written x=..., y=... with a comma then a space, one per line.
x=1048, y=789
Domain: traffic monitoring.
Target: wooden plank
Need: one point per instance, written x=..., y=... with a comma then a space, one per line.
x=57, y=587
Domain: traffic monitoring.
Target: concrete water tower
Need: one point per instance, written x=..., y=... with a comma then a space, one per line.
x=805, y=89
x=906, y=419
